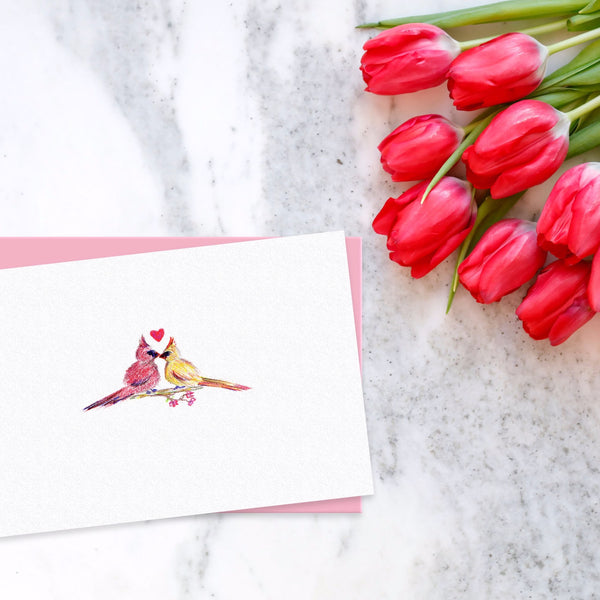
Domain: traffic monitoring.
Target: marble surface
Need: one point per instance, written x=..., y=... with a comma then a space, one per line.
x=167, y=117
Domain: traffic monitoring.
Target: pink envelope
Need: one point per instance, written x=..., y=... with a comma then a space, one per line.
x=28, y=251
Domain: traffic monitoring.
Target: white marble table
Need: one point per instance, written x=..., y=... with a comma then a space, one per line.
x=168, y=117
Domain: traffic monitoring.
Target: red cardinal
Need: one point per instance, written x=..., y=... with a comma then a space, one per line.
x=141, y=376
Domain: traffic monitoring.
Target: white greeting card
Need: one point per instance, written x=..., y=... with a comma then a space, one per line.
x=179, y=382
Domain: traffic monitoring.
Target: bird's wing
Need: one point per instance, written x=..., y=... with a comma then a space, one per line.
x=184, y=371
x=141, y=381
x=137, y=375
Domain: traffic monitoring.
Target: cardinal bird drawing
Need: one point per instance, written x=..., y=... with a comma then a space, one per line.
x=141, y=376
x=182, y=373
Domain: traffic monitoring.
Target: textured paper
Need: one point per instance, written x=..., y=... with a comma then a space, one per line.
x=29, y=251
x=272, y=314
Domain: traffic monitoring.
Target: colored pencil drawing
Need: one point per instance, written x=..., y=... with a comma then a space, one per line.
x=143, y=375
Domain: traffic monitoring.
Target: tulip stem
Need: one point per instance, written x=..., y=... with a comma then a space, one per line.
x=546, y=28
x=482, y=212
x=455, y=156
x=585, y=108
x=533, y=31
x=509, y=10
x=490, y=212
x=586, y=36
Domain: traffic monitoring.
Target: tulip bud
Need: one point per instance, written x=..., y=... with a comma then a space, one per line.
x=407, y=58
x=569, y=225
x=556, y=305
x=521, y=147
x=421, y=236
x=504, y=69
x=506, y=257
x=419, y=147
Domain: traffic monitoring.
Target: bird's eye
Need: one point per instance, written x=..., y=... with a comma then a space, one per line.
x=167, y=353
x=152, y=353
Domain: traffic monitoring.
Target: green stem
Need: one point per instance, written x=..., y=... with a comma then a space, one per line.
x=490, y=212
x=455, y=156
x=585, y=108
x=592, y=6
x=533, y=31
x=509, y=10
x=574, y=41
x=482, y=212
x=581, y=22
x=546, y=28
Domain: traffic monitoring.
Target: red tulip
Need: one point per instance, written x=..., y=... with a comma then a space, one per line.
x=556, y=305
x=421, y=236
x=502, y=70
x=569, y=225
x=506, y=257
x=407, y=58
x=521, y=147
x=419, y=147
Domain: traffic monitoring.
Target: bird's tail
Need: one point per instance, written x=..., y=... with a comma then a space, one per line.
x=117, y=396
x=223, y=384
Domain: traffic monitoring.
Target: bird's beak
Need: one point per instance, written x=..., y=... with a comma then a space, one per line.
x=162, y=355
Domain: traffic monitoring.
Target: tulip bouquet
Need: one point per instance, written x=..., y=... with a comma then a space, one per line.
x=530, y=122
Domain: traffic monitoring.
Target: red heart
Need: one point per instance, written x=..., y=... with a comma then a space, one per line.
x=157, y=335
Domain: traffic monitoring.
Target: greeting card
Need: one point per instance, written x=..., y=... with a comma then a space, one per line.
x=179, y=382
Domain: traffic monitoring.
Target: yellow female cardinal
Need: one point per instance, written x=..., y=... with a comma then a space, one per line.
x=181, y=372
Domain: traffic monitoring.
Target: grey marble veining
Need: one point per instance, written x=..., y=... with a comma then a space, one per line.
x=248, y=118
x=133, y=49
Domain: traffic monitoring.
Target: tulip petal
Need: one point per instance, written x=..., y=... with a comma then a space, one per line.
x=407, y=58
x=477, y=173
x=514, y=264
x=569, y=225
x=584, y=234
x=519, y=120
x=557, y=288
x=408, y=73
x=419, y=147
x=577, y=315
x=523, y=176
x=422, y=235
x=492, y=239
x=421, y=268
x=420, y=228
x=385, y=219
x=505, y=258
x=557, y=206
x=470, y=269
x=503, y=69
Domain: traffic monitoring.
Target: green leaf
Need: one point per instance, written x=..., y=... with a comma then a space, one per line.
x=468, y=140
x=583, y=22
x=588, y=58
x=561, y=98
x=587, y=76
x=584, y=139
x=593, y=6
x=509, y=10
